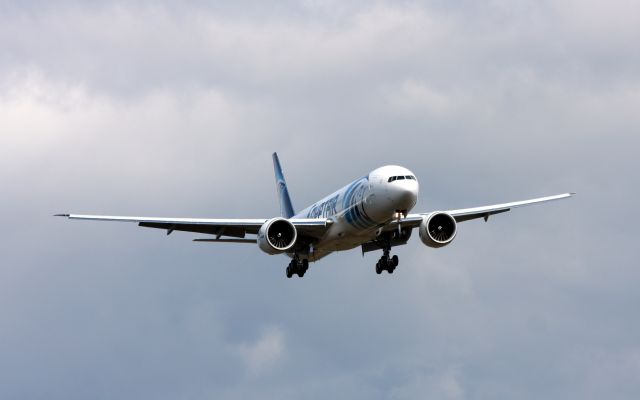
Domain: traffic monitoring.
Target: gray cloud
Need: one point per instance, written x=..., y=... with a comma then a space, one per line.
x=173, y=109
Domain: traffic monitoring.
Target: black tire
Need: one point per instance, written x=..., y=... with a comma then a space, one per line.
x=378, y=268
x=394, y=262
x=289, y=273
x=386, y=263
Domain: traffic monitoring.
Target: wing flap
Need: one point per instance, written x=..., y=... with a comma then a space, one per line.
x=485, y=215
x=232, y=230
x=226, y=240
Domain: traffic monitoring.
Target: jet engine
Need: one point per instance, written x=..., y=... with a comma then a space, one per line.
x=437, y=229
x=277, y=235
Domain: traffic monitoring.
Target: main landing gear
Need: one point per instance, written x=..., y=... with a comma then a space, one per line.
x=386, y=263
x=297, y=267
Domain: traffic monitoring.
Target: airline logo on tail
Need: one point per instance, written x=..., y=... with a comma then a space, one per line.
x=286, y=208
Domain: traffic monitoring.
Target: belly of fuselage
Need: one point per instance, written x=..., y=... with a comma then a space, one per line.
x=353, y=227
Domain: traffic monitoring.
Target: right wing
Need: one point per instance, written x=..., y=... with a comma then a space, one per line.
x=234, y=228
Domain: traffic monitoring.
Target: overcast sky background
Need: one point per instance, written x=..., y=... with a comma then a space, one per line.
x=173, y=109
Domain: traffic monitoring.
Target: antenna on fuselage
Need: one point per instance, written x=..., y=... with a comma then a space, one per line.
x=286, y=208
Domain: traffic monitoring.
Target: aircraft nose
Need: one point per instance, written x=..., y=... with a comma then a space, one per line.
x=405, y=194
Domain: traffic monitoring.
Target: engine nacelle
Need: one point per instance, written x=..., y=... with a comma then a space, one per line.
x=277, y=235
x=438, y=229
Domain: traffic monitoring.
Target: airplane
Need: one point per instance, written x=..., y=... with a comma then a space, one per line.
x=371, y=212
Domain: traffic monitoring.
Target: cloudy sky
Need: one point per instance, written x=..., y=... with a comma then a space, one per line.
x=173, y=109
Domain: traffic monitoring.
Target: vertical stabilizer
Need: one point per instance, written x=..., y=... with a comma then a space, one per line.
x=286, y=209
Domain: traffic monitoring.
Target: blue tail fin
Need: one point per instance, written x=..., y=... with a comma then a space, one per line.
x=286, y=209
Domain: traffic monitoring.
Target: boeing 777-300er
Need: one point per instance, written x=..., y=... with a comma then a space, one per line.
x=371, y=212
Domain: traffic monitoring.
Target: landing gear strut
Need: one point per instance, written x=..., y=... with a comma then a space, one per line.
x=297, y=267
x=386, y=263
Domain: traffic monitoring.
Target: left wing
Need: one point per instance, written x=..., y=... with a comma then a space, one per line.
x=401, y=236
x=466, y=214
x=234, y=228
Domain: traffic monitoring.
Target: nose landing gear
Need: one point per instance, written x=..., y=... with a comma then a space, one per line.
x=297, y=267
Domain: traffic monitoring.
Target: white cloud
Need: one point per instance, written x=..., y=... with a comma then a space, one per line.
x=413, y=98
x=173, y=109
x=265, y=352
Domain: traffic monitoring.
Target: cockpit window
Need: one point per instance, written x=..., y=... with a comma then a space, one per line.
x=401, y=177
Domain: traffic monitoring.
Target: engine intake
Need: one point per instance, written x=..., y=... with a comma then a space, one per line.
x=277, y=235
x=438, y=229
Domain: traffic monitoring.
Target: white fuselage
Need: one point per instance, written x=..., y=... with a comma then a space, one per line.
x=359, y=209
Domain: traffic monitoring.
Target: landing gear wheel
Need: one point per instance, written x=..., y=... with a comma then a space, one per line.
x=302, y=267
x=388, y=264
x=297, y=267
